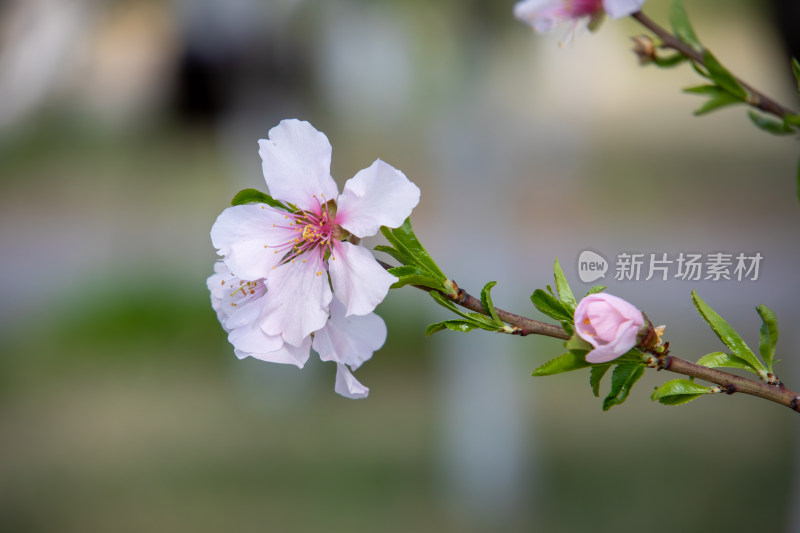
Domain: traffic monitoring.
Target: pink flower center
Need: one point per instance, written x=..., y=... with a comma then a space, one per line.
x=590, y=331
x=579, y=8
x=315, y=234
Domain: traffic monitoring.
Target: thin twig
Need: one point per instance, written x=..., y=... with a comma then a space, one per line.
x=756, y=98
x=730, y=382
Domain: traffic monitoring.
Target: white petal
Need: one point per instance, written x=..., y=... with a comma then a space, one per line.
x=347, y=385
x=540, y=14
x=251, y=338
x=287, y=354
x=621, y=8
x=379, y=195
x=298, y=301
x=244, y=235
x=217, y=280
x=350, y=340
x=216, y=284
x=296, y=160
x=358, y=280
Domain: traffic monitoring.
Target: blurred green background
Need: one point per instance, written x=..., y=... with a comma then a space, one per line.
x=126, y=127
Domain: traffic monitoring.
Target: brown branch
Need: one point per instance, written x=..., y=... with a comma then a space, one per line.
x=730, y=382
x=756, y=98
x=525, y=326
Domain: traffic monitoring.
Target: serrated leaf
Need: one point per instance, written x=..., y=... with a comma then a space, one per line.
x=411, y=275
x=679, y=391
x=550, y=306
x=726, y=333
x=405, y=241
x=596, y=289
x=769, y=125
x=623, y=378
x=564, y=292
x=725, y=360
x=445, y=302
x=476, y=319
x=796, y=72
x=722, y=76
x=486, y=301
x=717, y=98
x=399, y=256
x=768, y=334
x=596, y=375
x=563, y=363
x=679, y=21
x=453, y=325
x=254, y=196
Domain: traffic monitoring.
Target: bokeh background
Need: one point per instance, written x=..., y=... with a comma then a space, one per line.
x=127, y=126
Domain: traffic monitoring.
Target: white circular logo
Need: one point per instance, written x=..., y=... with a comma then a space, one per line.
x=591, y=266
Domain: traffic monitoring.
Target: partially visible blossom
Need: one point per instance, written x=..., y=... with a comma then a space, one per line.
x=544, y=15
x=347, y=341
x=293, y=251
x=240, y=307
x=608, y=323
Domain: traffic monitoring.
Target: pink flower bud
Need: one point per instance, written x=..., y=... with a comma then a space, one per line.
x=608, y=323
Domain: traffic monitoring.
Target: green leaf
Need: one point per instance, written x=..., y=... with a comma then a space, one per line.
x=717, y=98
x=399, y=256
x=769, y=125
x=411, y=275
x=671, y=61
x=596, y=375
x=724, y=360
x=632, y=356
x=623, y=378
x=563, y=363
x=576, y=343
x=706, y=90
x=679, y=391
x=596, y=289
x=477, y=319
x=486, y=301
x=550, y=306
x=796, y=72
x=405, y=241
x=791, y=120
x=564, y=292
x=769, y=334
x=722, y=76
x=254, y=196
x=453, y=325
x=726, y=333
x=681, y=25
